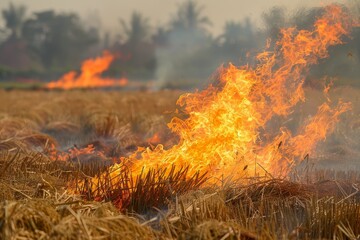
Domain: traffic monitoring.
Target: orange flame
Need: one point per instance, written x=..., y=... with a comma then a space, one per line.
x=72, y=153
x=154, y=139
x=228, y=131
x=91, y=70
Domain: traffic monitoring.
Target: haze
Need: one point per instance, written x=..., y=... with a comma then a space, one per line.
x=106, y=13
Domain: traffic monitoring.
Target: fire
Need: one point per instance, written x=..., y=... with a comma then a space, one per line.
x=90, y=76
x=229, y=129
x=72, y=153
x=154, y=139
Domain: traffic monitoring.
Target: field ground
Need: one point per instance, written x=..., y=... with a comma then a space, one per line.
x=317, y=202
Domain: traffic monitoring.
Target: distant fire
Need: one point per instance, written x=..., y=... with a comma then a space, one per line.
x=90, y=76
x=228, y=131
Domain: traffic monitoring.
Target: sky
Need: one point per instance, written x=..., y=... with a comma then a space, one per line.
x=106, y=13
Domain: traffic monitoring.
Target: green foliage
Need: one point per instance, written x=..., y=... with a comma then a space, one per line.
x=137, y=31
x=58, y=39
x=182, y=52
x=274, y=20
x=189, y=17
x=14, y=18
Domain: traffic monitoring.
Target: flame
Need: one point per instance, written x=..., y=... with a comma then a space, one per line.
x=91, y=70
x=229, y=129
x=72, y=153
x=154, y=139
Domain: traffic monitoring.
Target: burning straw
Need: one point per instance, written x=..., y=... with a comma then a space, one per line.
x=229, y=130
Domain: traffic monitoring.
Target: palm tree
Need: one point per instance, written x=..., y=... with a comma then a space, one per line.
x=14, y=18
x=3, y=35
x=137, y=45
x=160, y=37
x=238, y=33
x=304, y=18
x=137, y=31
x=274, y=20
x=60, y=40
x=189, y=17
x=232, y=33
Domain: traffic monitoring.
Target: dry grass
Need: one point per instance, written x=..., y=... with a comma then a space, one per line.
x=196, y=215
x=260, y=212
x=35, y=202
x=154, y=189
x=28, y=174
x=41, y=219
x=82, y=116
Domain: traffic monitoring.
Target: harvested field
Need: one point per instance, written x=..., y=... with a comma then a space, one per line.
x=39, y=201
x=255, y=155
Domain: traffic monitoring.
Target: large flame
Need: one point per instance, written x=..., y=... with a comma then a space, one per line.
x=90, y=76
x=229, y=129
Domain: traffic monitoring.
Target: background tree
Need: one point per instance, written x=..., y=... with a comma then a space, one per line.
x=188, y=46
x=304, y=18
x=189, y=17
x=59, y=40
x=232, y=33
x=13, y=49
x=137, y=31
x=180, y=53
x=161, y=37
x=3, y=35
x=236, y=41
x=274, y=20
x=238, y=34
x=137, y=47
x=189, y=25
x=14, y=17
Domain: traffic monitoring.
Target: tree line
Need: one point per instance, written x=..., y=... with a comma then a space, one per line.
x=43, y=45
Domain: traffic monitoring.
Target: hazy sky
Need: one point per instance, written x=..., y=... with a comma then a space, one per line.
x=160, y=11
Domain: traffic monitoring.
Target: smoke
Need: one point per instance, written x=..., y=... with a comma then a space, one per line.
x=189, y=57
x=188, y=53
x=183, y=62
